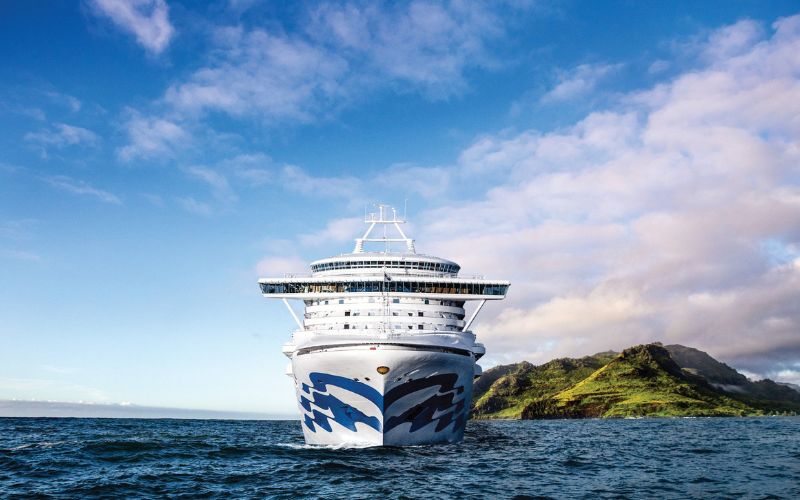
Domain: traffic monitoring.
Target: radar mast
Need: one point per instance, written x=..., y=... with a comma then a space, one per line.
x=386, y=216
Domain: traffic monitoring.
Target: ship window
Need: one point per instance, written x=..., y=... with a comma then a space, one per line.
x=419, y=313
x=347, y=313
x=427, y=301
x=346, y=326
x=419, y=327
x=376, y=285
x=395, y=301
x=341, y=301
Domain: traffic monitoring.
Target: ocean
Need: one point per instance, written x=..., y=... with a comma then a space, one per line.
x=648, y=458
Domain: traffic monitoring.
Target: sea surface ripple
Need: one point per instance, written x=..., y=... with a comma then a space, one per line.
x=649, y=458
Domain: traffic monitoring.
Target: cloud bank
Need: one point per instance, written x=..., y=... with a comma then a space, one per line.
x=672, y=216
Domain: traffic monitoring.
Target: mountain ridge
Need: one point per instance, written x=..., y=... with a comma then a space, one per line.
x=644, y=380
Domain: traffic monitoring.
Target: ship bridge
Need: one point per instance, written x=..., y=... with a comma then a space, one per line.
x=379, y=263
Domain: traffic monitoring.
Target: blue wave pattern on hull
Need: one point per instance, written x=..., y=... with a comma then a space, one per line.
x=422, y=414
x=343, y=413
x=419, y=415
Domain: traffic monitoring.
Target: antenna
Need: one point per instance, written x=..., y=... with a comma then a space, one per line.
x=383, y=218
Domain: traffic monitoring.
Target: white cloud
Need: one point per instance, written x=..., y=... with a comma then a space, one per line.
x=147, y=20
x=296, y=179
x=341, y=53
x=152, y=137
x=194, y=206
x=789, y=375
x=336, y=231
x=427, y=45
x=17, y=229
x=73, y=103
x=20, y=255
x=216, y=181
x=271, y=75
x=408, y=179
x=153, y=199
x=62, y=135
x=647, y=221
x=82, y=188
x=253, y=169
x=337, y=54
x=658, y=66
x=644, y=222
x=579, y=81
x=733, y=40
x=277, y=266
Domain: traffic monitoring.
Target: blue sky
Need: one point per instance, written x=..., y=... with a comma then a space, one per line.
x=630, y=166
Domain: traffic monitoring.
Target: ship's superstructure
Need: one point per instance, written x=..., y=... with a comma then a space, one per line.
x=383, y=353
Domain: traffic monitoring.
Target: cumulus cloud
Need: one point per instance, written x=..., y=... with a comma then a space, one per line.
x=673, y=215
x=82, y=188
x=147, y=20
x=648, y=221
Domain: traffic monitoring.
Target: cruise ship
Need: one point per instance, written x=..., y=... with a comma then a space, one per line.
x=383, y=354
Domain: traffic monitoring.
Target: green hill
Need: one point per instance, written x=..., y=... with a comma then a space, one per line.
x=646, y=380
x=765, y=394
x=525, y=383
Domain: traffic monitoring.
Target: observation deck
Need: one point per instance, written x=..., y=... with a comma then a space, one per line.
x=388, y=292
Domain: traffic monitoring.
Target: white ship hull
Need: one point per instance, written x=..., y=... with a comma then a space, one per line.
x=383, y=353
x=423, y=398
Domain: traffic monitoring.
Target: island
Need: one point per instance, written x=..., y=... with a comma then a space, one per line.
x=650, y=380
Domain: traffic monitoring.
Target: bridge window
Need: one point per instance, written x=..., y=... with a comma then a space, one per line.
x=394, y=286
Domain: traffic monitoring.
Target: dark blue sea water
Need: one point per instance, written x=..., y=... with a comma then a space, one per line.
x=656, y=458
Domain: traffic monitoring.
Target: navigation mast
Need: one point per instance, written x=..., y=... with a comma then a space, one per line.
x=383, y=218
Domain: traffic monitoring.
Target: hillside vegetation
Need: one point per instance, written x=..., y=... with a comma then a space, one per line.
x=646, y=380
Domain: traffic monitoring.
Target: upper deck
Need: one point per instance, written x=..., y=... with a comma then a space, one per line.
x=380, y=263
x=408, y=286
x=399, y=274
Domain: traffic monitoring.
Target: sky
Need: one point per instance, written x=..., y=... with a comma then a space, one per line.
x=633, y=168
